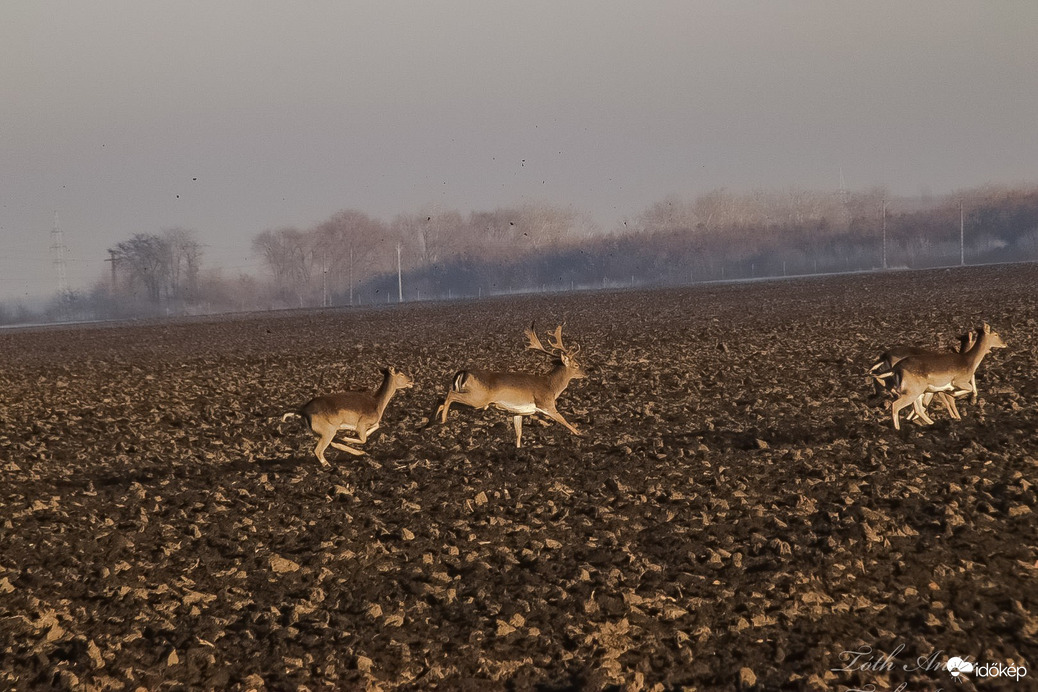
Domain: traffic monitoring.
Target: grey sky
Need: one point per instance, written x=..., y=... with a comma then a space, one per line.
x=230, y=118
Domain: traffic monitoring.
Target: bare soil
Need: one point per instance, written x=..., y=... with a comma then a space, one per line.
x=739, y=512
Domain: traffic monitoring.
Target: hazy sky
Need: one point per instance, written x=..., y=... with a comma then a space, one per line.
x=231, y=118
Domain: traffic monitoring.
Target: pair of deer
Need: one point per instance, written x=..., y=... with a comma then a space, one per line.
x=917, y=375
x=521, y=394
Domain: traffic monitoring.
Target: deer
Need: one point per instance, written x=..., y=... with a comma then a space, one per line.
x=356, y=411
x=521, y=394
x=882, y=370
x=915, y=376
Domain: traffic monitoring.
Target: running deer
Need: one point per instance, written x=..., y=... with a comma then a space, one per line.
x=915, y=376
x=521, y=394
x=883, y=370
x=358, y=412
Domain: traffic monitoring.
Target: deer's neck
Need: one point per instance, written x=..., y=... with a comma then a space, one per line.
x=559, y=378
x=977, y=353
x=384, y=393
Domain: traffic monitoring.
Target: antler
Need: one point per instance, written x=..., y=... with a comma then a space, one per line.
x=535, y=343
x=557, y=348
x=556, y=343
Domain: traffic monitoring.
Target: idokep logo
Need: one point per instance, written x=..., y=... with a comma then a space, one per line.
x=958, y=667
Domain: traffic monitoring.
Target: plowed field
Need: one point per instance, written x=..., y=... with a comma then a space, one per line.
x=739, y=511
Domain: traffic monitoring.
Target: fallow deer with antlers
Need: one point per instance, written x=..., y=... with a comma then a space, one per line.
x=521, y=394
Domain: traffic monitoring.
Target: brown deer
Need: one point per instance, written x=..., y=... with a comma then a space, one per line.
x=521, y=394
x=359, y=412
x=883, y=370
x=915, y=376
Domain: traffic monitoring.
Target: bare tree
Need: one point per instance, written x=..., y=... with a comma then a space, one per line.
x=289, y=255
x=274, y=247
x=671, y=213
x=347, y=248
x=145, y=258
x=435, y=235
x=548, y=225
x=185, y=256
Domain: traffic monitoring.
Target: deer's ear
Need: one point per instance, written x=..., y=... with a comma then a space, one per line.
x=987, y=328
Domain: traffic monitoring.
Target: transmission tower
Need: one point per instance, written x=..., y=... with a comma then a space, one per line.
x=58, y=252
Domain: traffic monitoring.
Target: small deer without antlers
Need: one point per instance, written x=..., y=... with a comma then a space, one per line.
x=882, y=372
x=521, y=394
x=915, y=376
x=359, y=412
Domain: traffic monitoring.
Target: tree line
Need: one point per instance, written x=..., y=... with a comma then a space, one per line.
x=352, y=258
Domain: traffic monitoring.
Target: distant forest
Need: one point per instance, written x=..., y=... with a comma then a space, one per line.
x=355, y=259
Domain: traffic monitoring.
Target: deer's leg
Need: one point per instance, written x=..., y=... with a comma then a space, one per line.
x=362, y=435
x=920, y=411
x=899, y=403
x=361, y=438
x=351, y=450
x=880, y=373
x=966, y=388
x=879, y=383
x=557, y=417
x=445, y=407
x=953, y=408
x=927, y=398
x=877, y=387
x=322, y=444
x=517, y=422
x=949, y=403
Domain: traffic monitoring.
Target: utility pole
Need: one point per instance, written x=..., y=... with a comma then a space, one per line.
x=962, y=237
x=884, y=233
x=113, y=259
x=324, y=286
x=351, y=275
x=399, y=277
